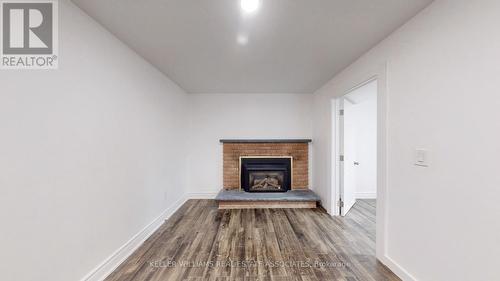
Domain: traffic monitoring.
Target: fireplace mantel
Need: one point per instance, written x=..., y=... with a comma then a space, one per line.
x=265, y=140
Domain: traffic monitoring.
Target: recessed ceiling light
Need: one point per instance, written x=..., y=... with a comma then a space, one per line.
x=250, y=6
x=242, y=39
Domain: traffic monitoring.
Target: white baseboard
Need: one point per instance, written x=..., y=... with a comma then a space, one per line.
x=112, y=262
x=366, y=195
x=397, y=269
x=201, y=195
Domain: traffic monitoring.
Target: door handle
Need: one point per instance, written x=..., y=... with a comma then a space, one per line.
x=356, y=163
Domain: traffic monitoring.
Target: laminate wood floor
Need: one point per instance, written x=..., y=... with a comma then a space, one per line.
x=200, y=242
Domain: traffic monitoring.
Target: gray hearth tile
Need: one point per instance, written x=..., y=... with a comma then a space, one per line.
x=292, y=195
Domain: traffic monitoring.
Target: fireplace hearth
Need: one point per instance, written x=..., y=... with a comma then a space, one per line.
x=265, y=174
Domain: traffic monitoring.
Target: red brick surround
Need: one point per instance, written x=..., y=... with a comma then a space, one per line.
x=233, y=151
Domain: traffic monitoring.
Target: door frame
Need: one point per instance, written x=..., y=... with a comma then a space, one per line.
x=335, y=179
x=339, y=132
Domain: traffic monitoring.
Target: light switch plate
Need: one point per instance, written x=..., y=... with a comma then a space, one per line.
x=421, y=157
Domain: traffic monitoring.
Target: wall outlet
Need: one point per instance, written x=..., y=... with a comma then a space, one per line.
x=421, y=157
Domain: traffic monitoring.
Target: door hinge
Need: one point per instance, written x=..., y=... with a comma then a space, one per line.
x=341, y=204
x=341, y=158
x=341, y=112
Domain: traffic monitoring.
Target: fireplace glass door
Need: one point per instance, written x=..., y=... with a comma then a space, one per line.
x=266, y=174
x=266, y=181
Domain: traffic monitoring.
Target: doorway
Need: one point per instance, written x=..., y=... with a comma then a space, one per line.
x=357, y=138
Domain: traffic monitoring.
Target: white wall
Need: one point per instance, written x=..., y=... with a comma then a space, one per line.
x=365, y=127
x=441, y=221
x=89, y=154
x=248, y=116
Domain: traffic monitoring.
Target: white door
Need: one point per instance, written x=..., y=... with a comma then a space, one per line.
x=348, y=186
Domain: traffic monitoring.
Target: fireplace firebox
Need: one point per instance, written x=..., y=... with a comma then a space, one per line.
x=266, y=174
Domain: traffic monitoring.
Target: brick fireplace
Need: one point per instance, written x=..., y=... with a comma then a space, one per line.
x=296, y=151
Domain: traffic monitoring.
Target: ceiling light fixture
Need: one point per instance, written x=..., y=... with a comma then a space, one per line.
x=242, y=39
x=250, y=6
